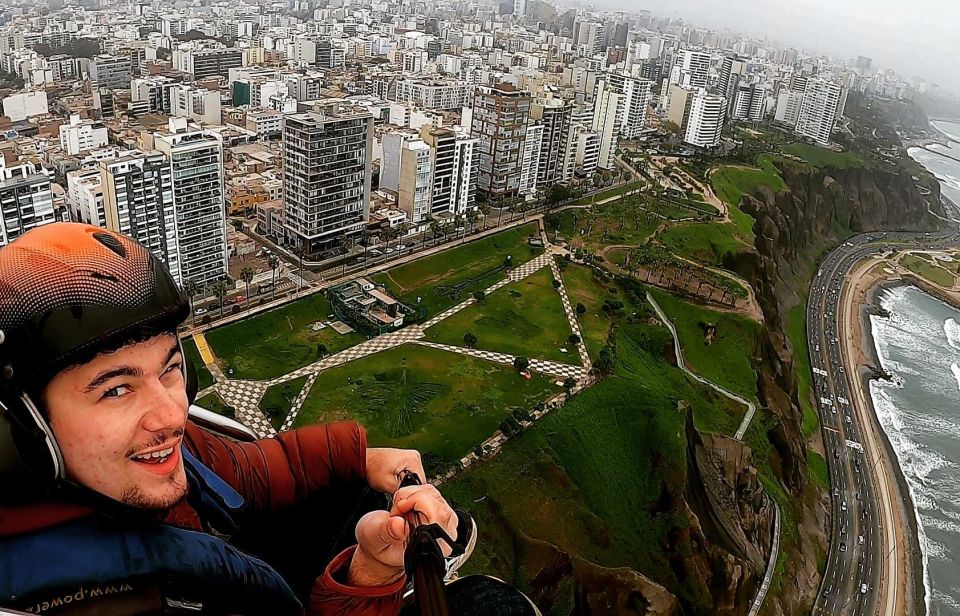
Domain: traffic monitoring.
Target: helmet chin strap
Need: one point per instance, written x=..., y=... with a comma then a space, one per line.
x=49, y=440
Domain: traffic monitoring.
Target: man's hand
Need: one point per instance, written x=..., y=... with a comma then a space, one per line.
x=385, y=467
x=382, y=535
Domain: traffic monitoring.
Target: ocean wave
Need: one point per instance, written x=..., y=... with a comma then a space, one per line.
x=952, y=331
x=946, y=601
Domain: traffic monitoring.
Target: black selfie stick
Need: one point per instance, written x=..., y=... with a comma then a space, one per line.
x=423, y=560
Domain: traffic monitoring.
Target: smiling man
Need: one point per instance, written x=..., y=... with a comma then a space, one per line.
x=113, y=502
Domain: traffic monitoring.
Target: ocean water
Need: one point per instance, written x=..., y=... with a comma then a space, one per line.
x=919, y=346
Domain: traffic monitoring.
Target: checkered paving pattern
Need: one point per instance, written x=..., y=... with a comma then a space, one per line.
x=571, y=315
x=449, y=312
x=245, y=396
x=538, y=365
x=298, y=402
x=522, y=271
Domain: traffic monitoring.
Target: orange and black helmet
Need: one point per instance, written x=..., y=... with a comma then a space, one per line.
x=69, y=291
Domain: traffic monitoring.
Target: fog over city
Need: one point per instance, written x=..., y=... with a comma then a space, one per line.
x=914, y=37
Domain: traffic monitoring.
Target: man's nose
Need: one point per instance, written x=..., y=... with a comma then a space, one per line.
x=164, y=409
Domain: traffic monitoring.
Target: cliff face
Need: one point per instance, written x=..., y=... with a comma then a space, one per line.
x=793, y=228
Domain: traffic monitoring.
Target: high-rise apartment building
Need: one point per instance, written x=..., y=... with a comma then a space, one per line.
x=705, y=124
x=554, y=114
x=530, y=162
x=732, y=71
x=453, y=169
x=748, y=102
x=82, y=136
x=110, y=72
x=195, y=158
x=819, y=110
x=415, y=189
x=607, y=112
x=326, y=176
x=679, y=100
x=694, y=67
x=137, y=191
x=788, y=107
x=636, y=99
x=196, y=104
x=207, y=62
x=26, y=199
x=501, y=114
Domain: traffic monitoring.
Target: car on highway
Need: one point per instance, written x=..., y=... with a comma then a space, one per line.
x=200, y=311
x=843, y=505
x=843, y=546
x=863, y=589
x=860, y=539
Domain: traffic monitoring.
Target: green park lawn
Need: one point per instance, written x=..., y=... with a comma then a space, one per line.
x=932, y=272
x=523, y=318
x=612, y=192
x=273, y=343
x=419, y=279
x=594, y=476
x=821, y=157
x=585, y=287
x=708, y=243
x=204, y=378
x=727, y=361
x=278, y=399
x=731, y=183
x=213, y=402
x=417, y=397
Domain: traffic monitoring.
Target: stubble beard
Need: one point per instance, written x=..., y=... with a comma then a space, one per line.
x=136, y=497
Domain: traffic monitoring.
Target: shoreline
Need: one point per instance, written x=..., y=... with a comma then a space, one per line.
x=870, y=307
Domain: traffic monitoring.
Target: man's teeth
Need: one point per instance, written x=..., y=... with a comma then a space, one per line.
x=163, y=453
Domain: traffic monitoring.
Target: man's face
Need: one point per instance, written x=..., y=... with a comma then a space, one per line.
x=119, y=420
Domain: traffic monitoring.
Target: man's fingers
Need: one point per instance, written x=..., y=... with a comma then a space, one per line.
x=428, y=502
x=383, y=536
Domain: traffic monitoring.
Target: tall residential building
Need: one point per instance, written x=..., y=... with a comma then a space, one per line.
x=85, y=196
x=694, y=66
x=788, y=107
x=82, y=135
x=326, y=176
x=748, y=102
x=705, y=124
x=530, y=163
x=26, y=199
x=415, y=188
x=679, y=100
x=137, y=192
x=208, y=62
x=196, y=104
x=195, y=158
x=732, y=70
x=819, y=110
x=607, y=111
x=554, y=114
x=636, y=99
x=110, y=72
x=454, y=170
x=591, y=37
x=586, y=150
x=501, y=114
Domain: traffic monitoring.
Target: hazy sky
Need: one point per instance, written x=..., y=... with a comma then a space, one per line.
x=915, y=37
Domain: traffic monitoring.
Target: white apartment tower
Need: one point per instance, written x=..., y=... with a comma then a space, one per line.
x=138, y=201
x=555, y=115
x=531, y=159
x=82, y=136
x=788, y=107
x=26, y=200
x=195, y=158
x=415, y=188
x=607, y=111
x=326, y=176
x=694, y=67
x=748, y=102
x=454, y=170
x=819, y=110
x=705, y=124
x=636, y=99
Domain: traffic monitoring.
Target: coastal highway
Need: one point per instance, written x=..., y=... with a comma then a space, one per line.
x=863, y=574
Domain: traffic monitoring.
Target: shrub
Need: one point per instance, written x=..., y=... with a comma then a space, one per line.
x=521, y=363
x=469, y=340
x=581, y=309
x=479, y=296
x=556, y=283
x=321, y=350
x=574, y=339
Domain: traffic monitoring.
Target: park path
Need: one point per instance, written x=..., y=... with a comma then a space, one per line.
x=244, y=395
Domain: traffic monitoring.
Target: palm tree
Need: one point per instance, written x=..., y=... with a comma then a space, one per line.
x=435, y=229
x=246, y=274
x=346, y=244
x=274, y=262
x=472, y=217
x=220, y=289
x=365, y=238
x=402, y=230
x=191, y=288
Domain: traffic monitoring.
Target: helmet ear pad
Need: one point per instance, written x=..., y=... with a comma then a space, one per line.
x=28, y=449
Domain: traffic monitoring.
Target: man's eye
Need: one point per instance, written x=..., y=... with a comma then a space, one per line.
x=116, y=392
x=173, y=367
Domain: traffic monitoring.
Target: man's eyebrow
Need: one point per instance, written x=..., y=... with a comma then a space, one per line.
x=106, y=375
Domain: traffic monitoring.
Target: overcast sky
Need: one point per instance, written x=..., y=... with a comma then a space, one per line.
x=915, y=37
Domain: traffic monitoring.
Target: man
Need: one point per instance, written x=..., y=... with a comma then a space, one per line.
x=113, y=502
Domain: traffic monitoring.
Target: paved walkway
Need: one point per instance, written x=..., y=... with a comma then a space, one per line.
x=245, y=395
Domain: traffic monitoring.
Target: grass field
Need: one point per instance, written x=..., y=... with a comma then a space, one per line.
x=731, y=183
x=795, y=327
x=555, y=481
x=584, y=287
x=419, y=279
x=523, y=318
x=817, y=467
x=278, y=399
x=274, y=343
x=707, y=243
x=820, y=157
x=612, y=192
x=727, y=361
x=213, y=402
x=930, y=271
x=417, y=397
x=204, y=378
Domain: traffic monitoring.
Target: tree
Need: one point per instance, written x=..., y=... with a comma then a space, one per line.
x=521, y=363
x=321, y=350
x=247, y=275
x=521, y=414
x=574, y=339
x=274, y=262
x=558, y=193
x=556, y=283
x=510, y=426
x=568, y=384
x=479, y=296
x=346, y=244
x=469, y=340
x=191, y=288
x=472, y=217
x=435, y=230
x=220, y=289
x=581, y=309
